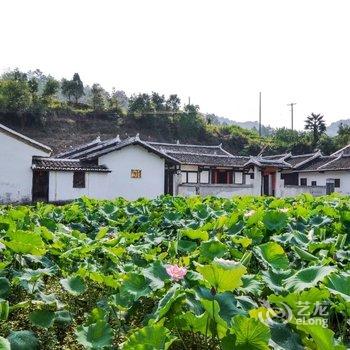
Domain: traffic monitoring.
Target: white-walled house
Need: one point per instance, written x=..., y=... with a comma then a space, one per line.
x=16, y=153
x=133, y=168
x=105, y=169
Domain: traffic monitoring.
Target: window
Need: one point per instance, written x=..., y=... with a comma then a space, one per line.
x=204, y=176
x=337, y=183
x=192, y=177
x=79, y=179
x=252, y=176
x=303, y=181
x=135, y=174
x=290, y=179
x=313, y=183
x=189, y=177
x=221, y=176
x=238, y=177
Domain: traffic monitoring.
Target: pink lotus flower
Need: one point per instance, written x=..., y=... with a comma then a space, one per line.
x=176, y=273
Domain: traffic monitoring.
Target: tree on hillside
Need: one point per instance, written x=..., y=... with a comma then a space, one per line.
x=157, y=102
x=97, y=98
x=173, y=103
x=343, y=136
x=73, y=88
x=191, y=109
x=50, y=89
x=15, y=74
x=191, y=122
x=117, y=101
x=140, y=104
x=78, y=87
x=33, y=87
x=316, y=124
x=15, y=96
x=67, y=89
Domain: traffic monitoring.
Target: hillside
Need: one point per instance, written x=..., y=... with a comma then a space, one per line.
x=67, y=113
x=62, y=131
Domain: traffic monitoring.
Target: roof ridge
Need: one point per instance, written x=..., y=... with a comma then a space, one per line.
x=309, y=159
x=331, y=161
x=203, y=154
x=182, y=144
x=303, y=155
x=340, y=150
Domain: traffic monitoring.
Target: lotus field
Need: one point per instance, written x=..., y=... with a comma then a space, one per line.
x=172, y=273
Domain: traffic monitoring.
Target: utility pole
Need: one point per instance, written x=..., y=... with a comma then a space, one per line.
x=291, y=113
x=260, y=114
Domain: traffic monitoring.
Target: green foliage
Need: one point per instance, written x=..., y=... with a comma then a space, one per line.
x=95, y=336
x=26, y=243
x=23, y=340
x=97, y=98
x=222, y=274
x=93, y=274
x=273, y=255
x=74, y=285
x=4, y=344
x=316, y=124
x=42, y=318
x=150, y=337
x=15, y=96
x=250, y=334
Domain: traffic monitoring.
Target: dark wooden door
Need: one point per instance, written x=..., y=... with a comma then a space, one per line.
x=168, y=182
x=40, y=190
x=266, y=185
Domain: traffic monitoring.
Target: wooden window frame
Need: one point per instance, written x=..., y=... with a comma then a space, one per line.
x=302, y=180
x=336, y=183
x=192, y=172
x=313, y=183
x=199, y=176
x=79, y=179
x=234, y=177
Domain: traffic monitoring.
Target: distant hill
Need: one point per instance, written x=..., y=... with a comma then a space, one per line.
x=332, y=129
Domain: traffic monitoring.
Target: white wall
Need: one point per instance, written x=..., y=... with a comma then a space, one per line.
x=117, y=183
x=15, y=169
x=61, y=186
x=292, y=190
x=321, y=178
x=223, y=191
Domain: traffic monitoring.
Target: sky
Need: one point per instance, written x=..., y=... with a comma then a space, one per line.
x=220, y=53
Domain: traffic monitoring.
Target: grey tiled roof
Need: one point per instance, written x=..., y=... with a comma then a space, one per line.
x=71, y=153
x=316, y=163
x=207, y=159
x=115, y=145
x=56, y=164
x=295, y=160
x=343, y=151
x=263, y=161
x=276, y=156
x=184, y=148
x=339, y=163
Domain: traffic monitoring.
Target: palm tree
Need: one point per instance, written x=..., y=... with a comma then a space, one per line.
x=316, y=124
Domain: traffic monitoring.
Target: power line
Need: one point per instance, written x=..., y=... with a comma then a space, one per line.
x=292, y=104
x=260, y=114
